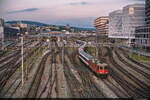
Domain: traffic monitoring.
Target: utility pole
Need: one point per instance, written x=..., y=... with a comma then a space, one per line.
x=2, y=31
x=96, y=46
x=22, y=62
x=22, y=66
x=62, y=52
x=26, y=66
x=2, y=37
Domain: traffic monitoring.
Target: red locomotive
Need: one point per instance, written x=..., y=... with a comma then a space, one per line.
x=100, y=69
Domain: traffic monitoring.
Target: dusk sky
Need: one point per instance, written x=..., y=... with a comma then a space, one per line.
x=80, y=13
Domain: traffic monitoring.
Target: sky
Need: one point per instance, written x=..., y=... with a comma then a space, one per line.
x=79, y=13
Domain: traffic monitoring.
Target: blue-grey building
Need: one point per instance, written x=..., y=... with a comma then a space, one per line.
x=142, y=33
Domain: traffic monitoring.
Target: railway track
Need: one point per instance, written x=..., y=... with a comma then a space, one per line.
x=109, y=81
x=7, y=64
x=72, y=82
x=141, y=83
x=5, y=74
x=50, y=85
x=134, y=61
x=34, y=87
x=50, y=88
x=133, y=91
x=5, y=58
x=89, y=89
x=11, y=54
x=114, y=86
x=11, y=67
x=52, y=77
x=15, y=57
x=133, y=67
x=125, y=57
x=11, y=88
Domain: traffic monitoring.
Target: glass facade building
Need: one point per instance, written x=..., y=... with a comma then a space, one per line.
x=147, y=12
x=1, y=28
x=122, y=23
x=133, y=16
x=115, y=24
x=142, y=33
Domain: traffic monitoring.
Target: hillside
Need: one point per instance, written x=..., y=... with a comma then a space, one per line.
x=28, y=22
x=42, y=24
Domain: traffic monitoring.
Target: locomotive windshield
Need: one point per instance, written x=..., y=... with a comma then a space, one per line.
x=99, y=68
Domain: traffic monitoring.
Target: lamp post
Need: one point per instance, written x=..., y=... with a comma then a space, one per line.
x=22, y=58
x=22, y=61
x=96, y=46
x=22, y=50
x=62, y=51
x=2, y=38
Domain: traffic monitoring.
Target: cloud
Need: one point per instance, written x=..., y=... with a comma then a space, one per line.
x=73, y=12
x=78, y=3
x=139, y=0
x=24, y=10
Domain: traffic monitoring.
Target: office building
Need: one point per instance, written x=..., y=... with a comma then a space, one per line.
x=115, y=24
x=142, y=33
x=133, y=16
x=147, y=12
x=122, y=23
x=1, y=29
x=142, y=36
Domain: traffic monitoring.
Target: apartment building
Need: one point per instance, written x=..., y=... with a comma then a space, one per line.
x=101, y=25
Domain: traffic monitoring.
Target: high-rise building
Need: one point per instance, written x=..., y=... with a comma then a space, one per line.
x=1, y=32
x=122, y=23
x=133, y=16
x=1, y=29
x=142, y=33
x=115, y=24
x=101, y=25
x=147, y=12
x=142, y=36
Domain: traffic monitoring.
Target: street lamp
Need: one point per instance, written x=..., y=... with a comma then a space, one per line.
x=62, y=51
x=96, y=45
x=22, y=50
x=22, y=61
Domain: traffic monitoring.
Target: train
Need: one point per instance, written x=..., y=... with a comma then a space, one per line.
x=99, y=68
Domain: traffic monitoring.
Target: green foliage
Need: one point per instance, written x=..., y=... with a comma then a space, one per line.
x=91, y=50
x=141, y=58
x=27, y=63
